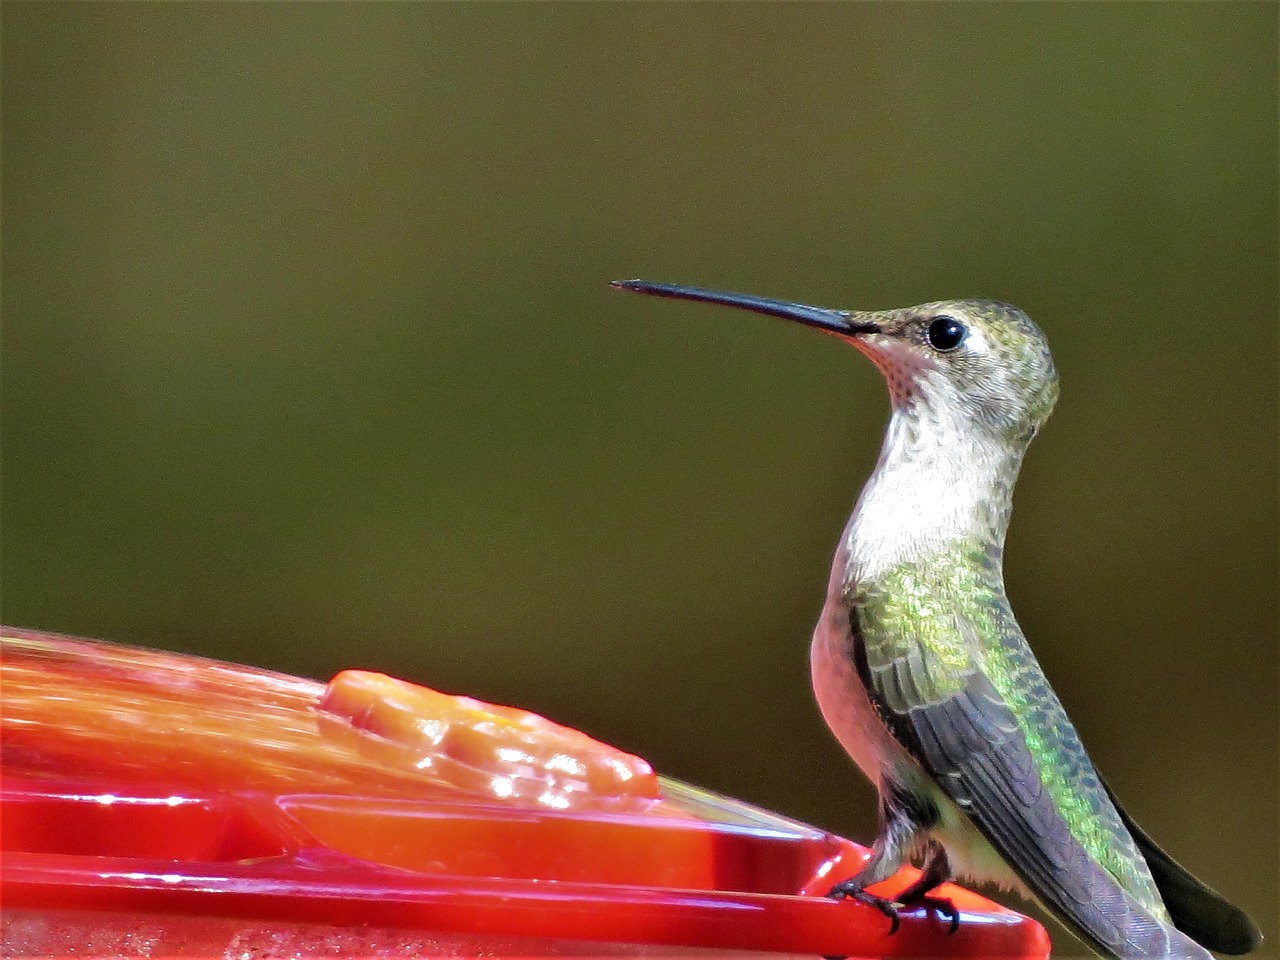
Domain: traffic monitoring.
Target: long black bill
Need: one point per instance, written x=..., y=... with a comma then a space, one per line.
x=832, y=321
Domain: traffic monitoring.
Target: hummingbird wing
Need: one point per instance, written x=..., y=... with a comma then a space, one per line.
x=999, y=744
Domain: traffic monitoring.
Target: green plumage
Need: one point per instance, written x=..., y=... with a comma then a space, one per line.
x=946, y=617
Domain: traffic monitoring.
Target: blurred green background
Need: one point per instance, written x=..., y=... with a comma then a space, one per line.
x=310, y=360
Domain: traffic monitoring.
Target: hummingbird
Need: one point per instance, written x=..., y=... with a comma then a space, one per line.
x=923, y=674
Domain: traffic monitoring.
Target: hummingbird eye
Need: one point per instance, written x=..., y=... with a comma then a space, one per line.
x=946, y=333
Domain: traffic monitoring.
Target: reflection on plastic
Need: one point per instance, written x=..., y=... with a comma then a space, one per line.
x=503, y=753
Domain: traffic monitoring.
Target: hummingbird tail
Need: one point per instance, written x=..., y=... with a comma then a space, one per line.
x=1116, y=925
x=1196, y=909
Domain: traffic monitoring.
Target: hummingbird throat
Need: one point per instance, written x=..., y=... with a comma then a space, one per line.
x=938, y=482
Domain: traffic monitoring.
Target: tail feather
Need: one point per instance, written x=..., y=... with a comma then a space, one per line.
x=1116, y=925
x=1197, y=910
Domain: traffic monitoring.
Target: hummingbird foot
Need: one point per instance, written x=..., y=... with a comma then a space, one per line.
x=852, y=890
x=941, y=905
x=903, y=828
x=935, y=872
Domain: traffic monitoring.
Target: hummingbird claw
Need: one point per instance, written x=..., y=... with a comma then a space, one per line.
x=849, y=889
x=942, y=906
x=890, y=908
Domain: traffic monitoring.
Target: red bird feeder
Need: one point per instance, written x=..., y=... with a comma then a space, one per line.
x=156, y=804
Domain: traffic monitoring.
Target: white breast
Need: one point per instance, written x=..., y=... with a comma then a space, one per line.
x=932, y=486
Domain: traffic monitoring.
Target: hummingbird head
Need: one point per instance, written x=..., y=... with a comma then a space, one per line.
x=973, y=364
x=982, y=358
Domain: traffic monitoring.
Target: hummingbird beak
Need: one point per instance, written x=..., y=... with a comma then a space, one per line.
x=838, y=322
